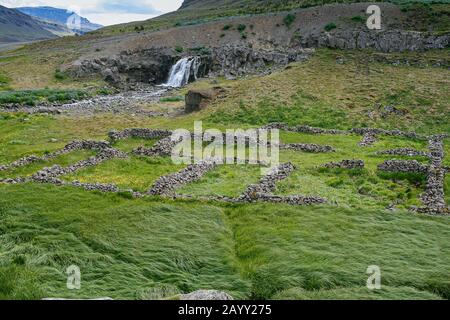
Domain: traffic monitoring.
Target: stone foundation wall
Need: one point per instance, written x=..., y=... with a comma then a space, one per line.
x=73, y=146
x=406, y=166
x=404, y=152
x=346, y=164
x=168, y=184
x=313, y=148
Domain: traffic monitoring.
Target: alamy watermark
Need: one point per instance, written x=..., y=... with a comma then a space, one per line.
x=374, y=21
x=73, y=278
x=374, y=280
x=74, y=20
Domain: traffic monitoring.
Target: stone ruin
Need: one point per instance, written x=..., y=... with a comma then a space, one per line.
x=139, y=133
x=404, y=152
x=263, y=190
x=313, y=148
x=433, y=198
x=346, y=164
x=194, y=172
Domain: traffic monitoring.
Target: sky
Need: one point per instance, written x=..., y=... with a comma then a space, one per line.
x=105, y=12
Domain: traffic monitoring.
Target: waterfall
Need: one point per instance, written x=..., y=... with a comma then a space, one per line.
x=181, y=72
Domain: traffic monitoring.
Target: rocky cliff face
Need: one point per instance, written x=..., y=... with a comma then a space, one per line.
x=152, y=66
x=383, y=41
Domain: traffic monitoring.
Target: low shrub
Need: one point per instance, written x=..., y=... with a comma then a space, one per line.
x=34, y=97
x=330, y=26
x=289, y=20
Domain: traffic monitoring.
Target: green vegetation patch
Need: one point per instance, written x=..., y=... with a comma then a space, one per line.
x=172, y=99
x=137, y=173
x=330, y=26
x=330, y=248
x=35, y=97
x=4, y=81
x=226, y=180
x=126, y=249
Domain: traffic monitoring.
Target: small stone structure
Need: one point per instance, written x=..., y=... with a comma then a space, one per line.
x=49, y=175
x=433, y=198
x=404, y=152
x=139, y=133
x=166, y=185
x=263, y=190
x=73, y=146
x=368, y=140
x=406, y=166
x=346, y=164
x=302, y=129
x=313, y=148
x=163, y=147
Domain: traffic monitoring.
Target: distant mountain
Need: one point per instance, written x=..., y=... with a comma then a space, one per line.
x=60, y=17
x=18, y=27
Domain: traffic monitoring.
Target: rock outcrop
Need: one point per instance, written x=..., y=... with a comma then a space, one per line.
x=238, y=60
x=383, y=40
x=198, y=99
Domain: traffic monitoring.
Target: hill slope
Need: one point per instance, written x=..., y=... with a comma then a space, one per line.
x=19, y=27
x=59, y=16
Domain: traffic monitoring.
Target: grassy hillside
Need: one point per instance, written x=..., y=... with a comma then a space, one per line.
x=156, y=248
x=197, y=12
x=18, y=27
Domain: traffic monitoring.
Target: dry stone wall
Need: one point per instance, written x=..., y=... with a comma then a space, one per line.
x=313, y=148
x=139, y=133
x=346, y=164
x=433, y=198
x=404, y=152
x=73, y=146
x=166, y=185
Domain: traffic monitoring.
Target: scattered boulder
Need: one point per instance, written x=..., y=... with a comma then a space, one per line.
x=206, y=295
x=197, y=100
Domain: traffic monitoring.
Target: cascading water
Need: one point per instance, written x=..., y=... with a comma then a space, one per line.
x=181, y=72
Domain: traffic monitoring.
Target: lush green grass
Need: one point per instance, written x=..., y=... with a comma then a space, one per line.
x=281, y=247
x=137, y=173
x=34, y=97
x=172, y=99
x=386, y=293
x=141, y=248
x=124, y=248
x=157, y=248
x=226, y=180
x=342, y=96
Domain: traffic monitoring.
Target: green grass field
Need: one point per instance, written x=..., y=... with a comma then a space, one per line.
x=155, y=248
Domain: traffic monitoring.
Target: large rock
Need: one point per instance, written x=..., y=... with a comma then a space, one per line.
x=206, y=295
x=199, y=99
